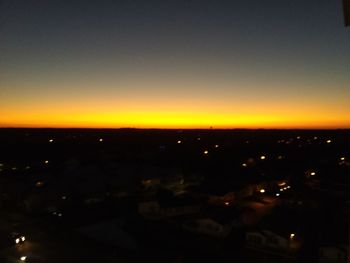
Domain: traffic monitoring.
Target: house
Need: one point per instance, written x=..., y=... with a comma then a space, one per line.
x=215, y=221
x=333, y=254
x=167, y=204
x=208, y=226
x=225, y=200
x=153, y=210
x=150, y=184
x=255, y=239
x=269, y=241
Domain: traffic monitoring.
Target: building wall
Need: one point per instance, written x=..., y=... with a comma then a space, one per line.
x=332, y=255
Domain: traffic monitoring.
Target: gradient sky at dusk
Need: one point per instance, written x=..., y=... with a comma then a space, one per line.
x=174, y=64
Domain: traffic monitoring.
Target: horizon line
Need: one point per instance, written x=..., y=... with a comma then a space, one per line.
x=158, y=128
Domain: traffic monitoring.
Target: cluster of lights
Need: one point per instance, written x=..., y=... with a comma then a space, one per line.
x=262, y=157
x=285, y=188
x=262, y=191
x=14, y=168
x=288, y=141
x=20, y=239
x=198, y=139
x=57, y=214
x=23, y=258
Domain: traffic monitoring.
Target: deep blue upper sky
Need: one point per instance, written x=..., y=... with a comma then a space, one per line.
x=217, y=26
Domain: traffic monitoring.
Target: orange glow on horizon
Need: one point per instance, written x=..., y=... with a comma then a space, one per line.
x=171, y=120
x=174, y=113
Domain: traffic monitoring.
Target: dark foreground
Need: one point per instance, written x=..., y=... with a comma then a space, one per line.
x=174, y=195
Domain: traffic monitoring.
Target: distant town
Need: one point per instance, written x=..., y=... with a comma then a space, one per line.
x=136, y=195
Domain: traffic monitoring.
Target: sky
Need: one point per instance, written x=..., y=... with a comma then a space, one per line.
x=174, y=64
